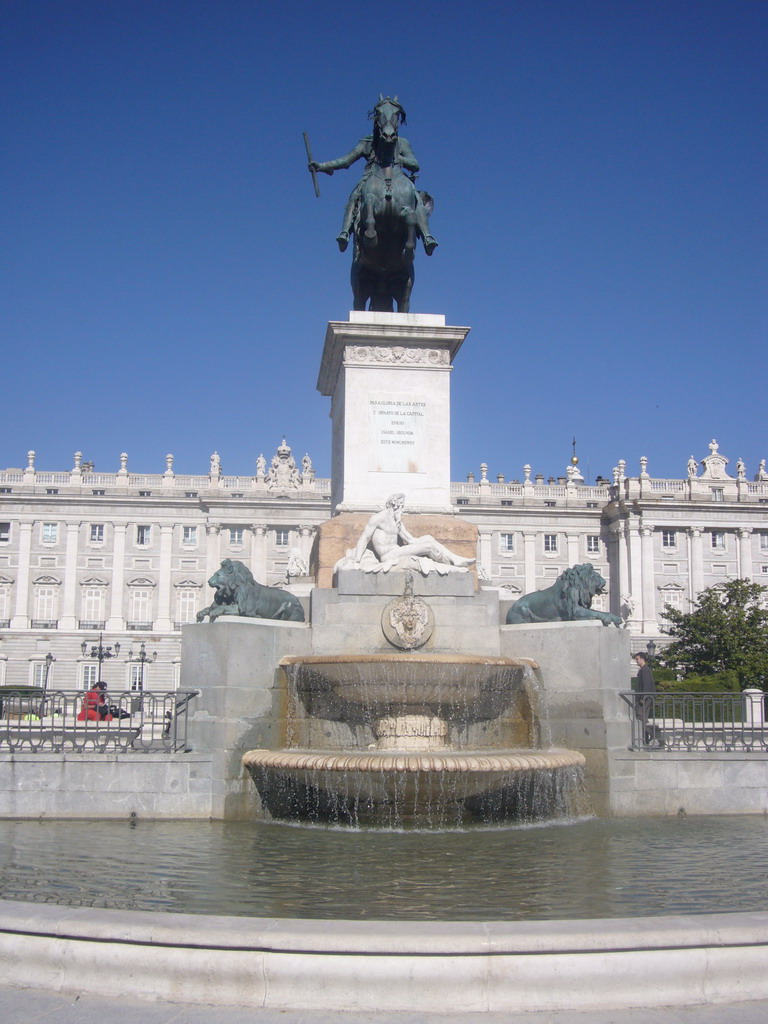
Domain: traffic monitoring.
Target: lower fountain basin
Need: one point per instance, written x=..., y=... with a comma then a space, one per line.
x=423, y=790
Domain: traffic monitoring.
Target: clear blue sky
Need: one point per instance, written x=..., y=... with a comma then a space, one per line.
x=599, y=170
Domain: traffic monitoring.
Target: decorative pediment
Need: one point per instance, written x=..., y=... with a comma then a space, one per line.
x=671, y=588
x=188, y=583
x=94, y=581
x=513, y=589
x=47, y=581
x=6, y=580
x=282, y=475
x=714, y=464
x=141, y=581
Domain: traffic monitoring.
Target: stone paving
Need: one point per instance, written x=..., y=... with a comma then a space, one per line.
x=29, y=1006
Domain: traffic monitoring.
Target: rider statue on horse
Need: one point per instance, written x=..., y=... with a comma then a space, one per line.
x=394, y=155
x=385, y=211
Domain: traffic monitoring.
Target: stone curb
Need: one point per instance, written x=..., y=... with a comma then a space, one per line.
x=394, y=966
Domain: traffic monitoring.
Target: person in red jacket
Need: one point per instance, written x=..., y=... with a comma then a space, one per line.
x=95, y=707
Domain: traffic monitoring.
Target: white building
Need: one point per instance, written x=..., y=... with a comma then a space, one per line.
x=128, y=555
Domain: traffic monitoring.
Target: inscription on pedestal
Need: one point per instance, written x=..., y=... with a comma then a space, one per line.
x=397, y=434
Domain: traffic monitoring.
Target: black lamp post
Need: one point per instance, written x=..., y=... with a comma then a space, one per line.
x=651, y=648
x=142, y=658
x=49, y=659
x=100, y=652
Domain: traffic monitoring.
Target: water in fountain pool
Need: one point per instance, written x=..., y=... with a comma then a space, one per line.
x=592, y=868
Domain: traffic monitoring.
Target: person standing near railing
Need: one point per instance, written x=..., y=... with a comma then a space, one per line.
x=645, y=687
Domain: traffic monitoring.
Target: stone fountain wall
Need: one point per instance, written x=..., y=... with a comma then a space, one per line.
x=244, y=701
x=582, y=668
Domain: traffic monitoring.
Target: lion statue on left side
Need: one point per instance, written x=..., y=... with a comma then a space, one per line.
x=238, y=593
x=569, y=599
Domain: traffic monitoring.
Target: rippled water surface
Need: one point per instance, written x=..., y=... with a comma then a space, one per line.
x=590, y=868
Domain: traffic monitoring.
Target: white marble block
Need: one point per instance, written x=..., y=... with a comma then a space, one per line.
x=388, y=375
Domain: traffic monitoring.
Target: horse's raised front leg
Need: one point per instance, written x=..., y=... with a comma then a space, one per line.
x=423, y=222
x=370, y=239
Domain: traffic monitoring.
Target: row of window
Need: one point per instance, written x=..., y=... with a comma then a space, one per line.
x=138, y=676
x=143, y=538
x=507, y=543
x=716, y=539
x=49, y=534
x=93, y=604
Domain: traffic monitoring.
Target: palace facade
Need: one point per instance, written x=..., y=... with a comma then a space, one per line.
x=127, y=555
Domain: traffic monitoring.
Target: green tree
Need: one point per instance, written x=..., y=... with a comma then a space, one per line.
x=727, y=630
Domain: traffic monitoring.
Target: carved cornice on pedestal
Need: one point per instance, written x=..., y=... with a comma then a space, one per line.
x=370, y=339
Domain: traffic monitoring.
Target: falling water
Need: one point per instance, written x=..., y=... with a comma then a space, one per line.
x=412, y=741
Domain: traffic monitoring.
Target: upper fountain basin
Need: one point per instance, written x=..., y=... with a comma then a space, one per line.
x=361, y=688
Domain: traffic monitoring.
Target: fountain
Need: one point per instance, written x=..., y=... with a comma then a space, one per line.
x=393, y=709
x=413, y=740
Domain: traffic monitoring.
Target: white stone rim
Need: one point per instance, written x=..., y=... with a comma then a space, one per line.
x=380, y=761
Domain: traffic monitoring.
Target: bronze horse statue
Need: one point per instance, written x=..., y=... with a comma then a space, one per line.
x=385, y=212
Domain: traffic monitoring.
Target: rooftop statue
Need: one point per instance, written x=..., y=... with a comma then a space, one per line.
x=385, y=544
x=385, y=213
x=569, y=599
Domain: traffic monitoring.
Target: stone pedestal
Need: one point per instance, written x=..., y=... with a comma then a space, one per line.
x=388, y=375
x=335, y=537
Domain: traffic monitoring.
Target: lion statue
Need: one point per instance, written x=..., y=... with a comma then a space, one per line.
x=569, y=599
x=238, y=593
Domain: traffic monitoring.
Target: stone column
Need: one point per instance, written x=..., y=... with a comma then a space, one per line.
x=212, y=548
x=21, y=619
x=164, y=579
x=619, y=569
x=486, y=551
x=259, y=553
x=572, y=548
x=116, y=621
x=68, y=618
x=754, y=714
x=529, y=547
x=650, y=625
x=695, y=562
x=305, y=542
x=744, y=534
x=635, y=568
x=622, y=541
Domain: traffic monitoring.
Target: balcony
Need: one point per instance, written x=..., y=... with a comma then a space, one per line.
x=136, y=627
x=45, y=624
x=86, y=624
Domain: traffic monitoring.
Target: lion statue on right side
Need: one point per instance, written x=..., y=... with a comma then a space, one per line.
x=569, y=599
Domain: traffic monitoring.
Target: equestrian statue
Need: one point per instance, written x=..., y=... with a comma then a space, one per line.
x=385, y=213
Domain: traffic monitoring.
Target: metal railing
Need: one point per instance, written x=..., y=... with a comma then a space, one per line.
x=55, y=721
x=697, y=721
